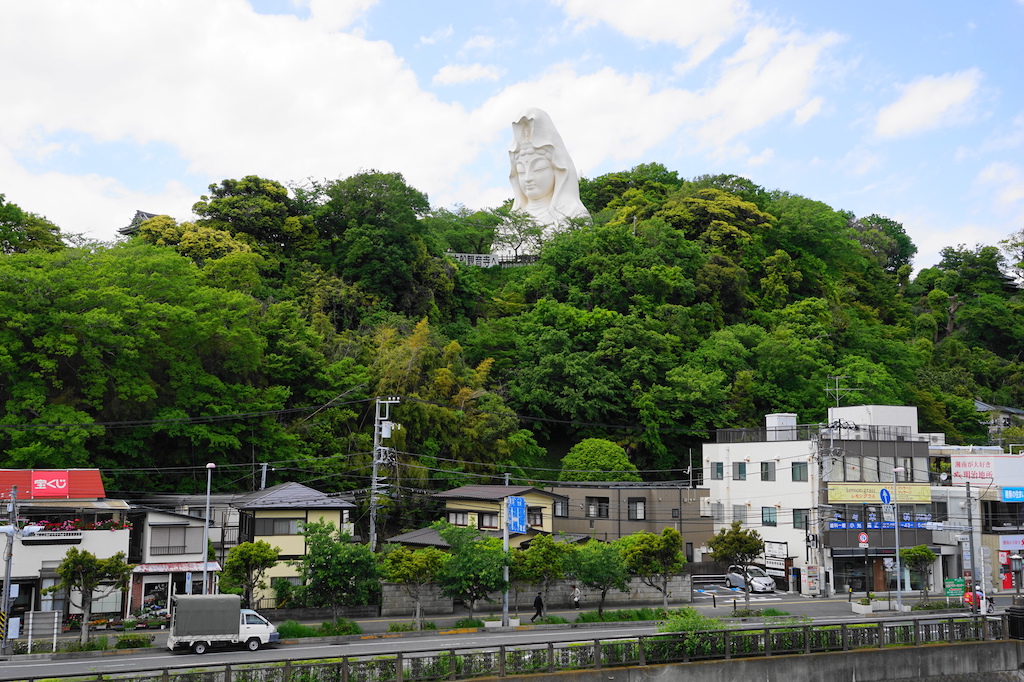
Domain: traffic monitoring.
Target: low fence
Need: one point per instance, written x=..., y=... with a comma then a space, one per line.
x=591, y=654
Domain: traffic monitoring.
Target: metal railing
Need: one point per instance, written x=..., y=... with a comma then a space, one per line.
x=503, y=660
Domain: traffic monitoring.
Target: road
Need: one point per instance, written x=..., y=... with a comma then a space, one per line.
x=716, y=602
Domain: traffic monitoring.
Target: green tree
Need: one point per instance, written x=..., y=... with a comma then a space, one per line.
x=21, y=231
x=245, y=568
x=476, y=567
x=739, y=547
x=545, y=561
x=336, y=571
x=597, y=459
x=654, y=558
x=599, y=566
x=920, y=559
x=81, y=573
x=414, y=570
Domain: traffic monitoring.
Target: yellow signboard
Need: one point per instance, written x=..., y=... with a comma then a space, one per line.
x=868, y=493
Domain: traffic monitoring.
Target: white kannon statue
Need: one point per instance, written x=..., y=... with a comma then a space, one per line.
x=544, y=181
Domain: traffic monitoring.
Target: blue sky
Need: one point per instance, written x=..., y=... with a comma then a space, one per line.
x=913, y=109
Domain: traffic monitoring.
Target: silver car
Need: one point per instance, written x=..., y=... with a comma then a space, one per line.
x=759, y=580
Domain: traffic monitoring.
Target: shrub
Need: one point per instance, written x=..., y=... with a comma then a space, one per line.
x=469, y=623
x=401, y=627
x=932, y=605
x=291, y=629
x=429, y=625
x=689, y=619
x=645, y=613
x=774, y=612
x=341, y=626
x=134, y=641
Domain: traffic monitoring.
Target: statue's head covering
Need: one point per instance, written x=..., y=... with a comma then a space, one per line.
x=535, y=131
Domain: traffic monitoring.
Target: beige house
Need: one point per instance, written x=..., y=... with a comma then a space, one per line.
x=482, y=507
x=610, y=510
x=276, y=515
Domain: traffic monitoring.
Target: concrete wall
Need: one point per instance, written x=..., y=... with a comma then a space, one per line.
x=396, y=602
x=970, y=662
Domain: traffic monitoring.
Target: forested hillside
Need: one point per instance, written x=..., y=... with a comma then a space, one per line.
x=262, y=331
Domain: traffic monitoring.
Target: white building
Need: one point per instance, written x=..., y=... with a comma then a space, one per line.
x=815, y=494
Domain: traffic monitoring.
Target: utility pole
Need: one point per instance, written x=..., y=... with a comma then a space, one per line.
x=7, y=569
x=970, y=526
x=504, y=572
x=381, y=429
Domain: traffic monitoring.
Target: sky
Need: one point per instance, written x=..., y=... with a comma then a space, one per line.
x=913, y=110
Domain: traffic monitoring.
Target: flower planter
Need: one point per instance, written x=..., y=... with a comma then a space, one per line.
x=492, y=623
x=513, y=622
x=862, y=609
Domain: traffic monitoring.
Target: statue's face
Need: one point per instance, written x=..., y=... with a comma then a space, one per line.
x=536, y=176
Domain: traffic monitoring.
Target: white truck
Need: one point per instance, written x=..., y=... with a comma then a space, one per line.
x=203, y=620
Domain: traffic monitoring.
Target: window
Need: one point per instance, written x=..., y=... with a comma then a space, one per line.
x=675, y=513
x=739, y=471
x=597, y=507
x=535, y=516
x=278, y=526
x=457, y=518
x=560, y=509
x=801, y=518
x=689, y=552
x=164, y=540
x=767, y=471
x=488, y=520
x=717, y=511
x=717, y=471
x=769, y=516
x=637, y=508
x=739, y=513
x=799, y=470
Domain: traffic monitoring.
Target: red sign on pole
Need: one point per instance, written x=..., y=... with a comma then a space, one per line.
x=50, y=484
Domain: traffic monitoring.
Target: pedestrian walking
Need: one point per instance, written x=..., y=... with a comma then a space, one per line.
x=538, y=605
x=576, y=597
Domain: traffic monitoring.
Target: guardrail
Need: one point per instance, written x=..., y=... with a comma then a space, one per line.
x=456, y=663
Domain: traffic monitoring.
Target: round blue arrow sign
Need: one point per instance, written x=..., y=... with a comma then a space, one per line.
x=884, y=494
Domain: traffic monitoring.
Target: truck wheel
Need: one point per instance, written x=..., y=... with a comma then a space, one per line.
x=253, y=644
x=199, y=647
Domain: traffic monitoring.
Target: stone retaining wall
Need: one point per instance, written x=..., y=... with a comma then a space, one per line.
x=396, y=602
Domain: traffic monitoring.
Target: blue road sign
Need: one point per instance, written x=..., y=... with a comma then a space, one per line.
x=886, y=497
x=516, y=514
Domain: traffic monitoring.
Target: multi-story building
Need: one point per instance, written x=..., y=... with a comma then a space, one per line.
x=482, y=507
x=817, y=495
x=277, y=514
x=57, y=510
x=610, y=510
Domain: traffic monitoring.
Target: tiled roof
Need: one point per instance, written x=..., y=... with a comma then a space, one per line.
x=492, y=492
x=291, y=496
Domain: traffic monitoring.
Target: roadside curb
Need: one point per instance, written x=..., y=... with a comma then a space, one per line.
x=336, y=639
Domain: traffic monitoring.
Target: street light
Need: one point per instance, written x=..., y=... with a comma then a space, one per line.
x=896, y=510
x=206, y=525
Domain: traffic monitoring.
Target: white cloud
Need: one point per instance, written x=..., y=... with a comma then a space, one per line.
x=1005, y=181
x=860, y=161
x=454, y=74
x=437, y=36
x=482, y=43
x=773, y=73
x=334, y=15
x=696, y=25
x=808, y=111
x=930, y=102
x=766, y=156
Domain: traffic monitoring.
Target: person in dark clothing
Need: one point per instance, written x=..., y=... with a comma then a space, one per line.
x=538, y=605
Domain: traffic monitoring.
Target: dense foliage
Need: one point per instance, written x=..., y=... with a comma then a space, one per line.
x=261, y=332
